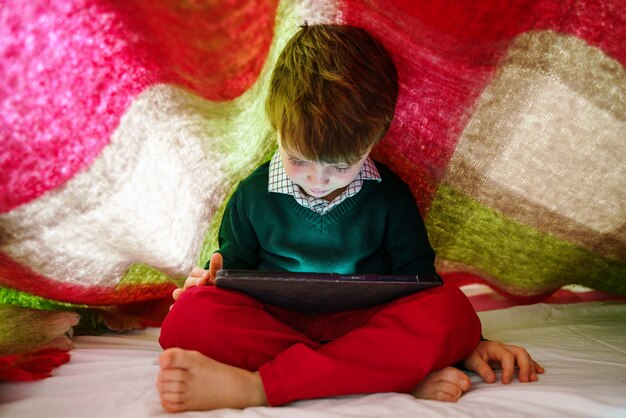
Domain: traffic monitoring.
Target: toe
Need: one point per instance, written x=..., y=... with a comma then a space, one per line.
x=175, y=358
x=448, y=392
x=173, y=397
x=172, y=387
x=173, y=406
x=165, y=359
x=173, y=375
x=445, y=397
x=457, y=377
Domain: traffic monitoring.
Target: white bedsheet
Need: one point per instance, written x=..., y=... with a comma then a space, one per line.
x=582, y=346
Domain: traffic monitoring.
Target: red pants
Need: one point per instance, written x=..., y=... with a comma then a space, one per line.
x=388, y=348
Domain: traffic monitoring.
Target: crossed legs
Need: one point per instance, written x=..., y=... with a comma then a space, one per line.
x=233, y=351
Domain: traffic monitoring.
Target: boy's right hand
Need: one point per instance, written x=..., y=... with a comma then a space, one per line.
x=200, y=276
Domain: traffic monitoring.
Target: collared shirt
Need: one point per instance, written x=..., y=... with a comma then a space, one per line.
x=279, y=182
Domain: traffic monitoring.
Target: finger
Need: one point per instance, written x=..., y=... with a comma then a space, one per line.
x=199, y=276
x=507, y=362
x=176, y=293
x=206, y=278
x=197, y=272
x=532, y=373
x=535, y=370
x=538, y=368
x=526, y=368
x=217, y=262
x=201, y=281
x=193, y=281
x=478, y=365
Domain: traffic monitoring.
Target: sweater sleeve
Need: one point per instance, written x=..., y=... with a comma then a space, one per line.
x=238, y=242
x=406, y=240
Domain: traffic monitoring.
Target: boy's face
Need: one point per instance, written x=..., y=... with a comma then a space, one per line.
x=317, y=179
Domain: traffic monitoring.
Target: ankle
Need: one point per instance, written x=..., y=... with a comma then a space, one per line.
x=257, y=394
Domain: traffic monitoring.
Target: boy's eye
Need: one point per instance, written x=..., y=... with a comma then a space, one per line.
x=343, y=169
x=297, y=163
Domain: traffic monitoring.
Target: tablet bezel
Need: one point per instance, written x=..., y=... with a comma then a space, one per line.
x=323, y=292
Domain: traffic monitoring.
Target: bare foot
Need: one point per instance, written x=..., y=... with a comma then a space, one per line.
x=190, y=381
x=445, y=385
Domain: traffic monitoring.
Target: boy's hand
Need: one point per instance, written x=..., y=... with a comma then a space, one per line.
x=491, y=355
x=201, y=277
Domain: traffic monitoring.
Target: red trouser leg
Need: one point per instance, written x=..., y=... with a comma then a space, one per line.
x=383, y=349
x=399, y=345
x=229, y=327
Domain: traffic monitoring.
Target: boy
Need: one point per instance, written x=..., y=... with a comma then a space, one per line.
x=321, y=204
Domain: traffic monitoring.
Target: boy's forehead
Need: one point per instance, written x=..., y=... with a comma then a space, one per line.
x=289, y=152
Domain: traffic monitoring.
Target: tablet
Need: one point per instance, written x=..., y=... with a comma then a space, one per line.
x=323, y=292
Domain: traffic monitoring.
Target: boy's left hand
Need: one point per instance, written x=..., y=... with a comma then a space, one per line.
x=493, y=353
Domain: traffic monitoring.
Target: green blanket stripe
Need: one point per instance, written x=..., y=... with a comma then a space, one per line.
x=520, y=257
x=139, y=273
x=27, y=300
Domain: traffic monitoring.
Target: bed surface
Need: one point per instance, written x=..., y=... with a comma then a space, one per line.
x=582, y=346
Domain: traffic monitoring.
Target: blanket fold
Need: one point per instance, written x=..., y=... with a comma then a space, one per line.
x=126, y=126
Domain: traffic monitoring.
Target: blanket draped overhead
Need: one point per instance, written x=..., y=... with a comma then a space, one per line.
x=125, y=126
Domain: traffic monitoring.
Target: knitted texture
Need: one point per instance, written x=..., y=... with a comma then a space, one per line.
x=510, y=129
x=125, y=126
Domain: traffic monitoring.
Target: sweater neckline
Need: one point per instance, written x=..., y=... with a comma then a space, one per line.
x=337, y=211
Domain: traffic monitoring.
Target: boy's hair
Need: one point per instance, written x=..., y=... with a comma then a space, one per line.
x=333, y=93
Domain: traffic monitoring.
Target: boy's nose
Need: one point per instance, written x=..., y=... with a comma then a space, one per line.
x=318, y=176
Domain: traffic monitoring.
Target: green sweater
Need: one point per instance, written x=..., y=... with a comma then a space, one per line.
x=378, y=230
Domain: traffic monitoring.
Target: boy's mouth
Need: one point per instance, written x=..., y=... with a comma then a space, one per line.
x=318, y=191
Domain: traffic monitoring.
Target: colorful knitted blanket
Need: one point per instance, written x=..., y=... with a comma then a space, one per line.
x=124, y=127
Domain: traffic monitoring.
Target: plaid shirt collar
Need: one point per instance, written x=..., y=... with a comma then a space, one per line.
x=279, y=182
